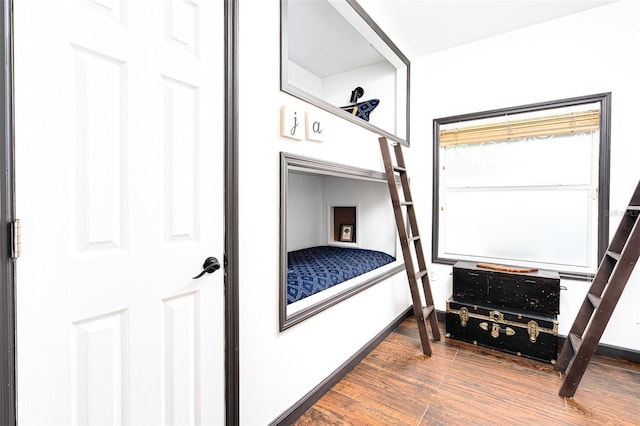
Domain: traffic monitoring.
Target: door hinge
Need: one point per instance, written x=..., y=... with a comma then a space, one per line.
x=16, y=238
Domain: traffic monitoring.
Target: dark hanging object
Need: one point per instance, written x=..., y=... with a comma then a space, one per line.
x=360, y=109
x=356, y=94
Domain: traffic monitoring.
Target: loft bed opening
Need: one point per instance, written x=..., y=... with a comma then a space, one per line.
x=337, y=235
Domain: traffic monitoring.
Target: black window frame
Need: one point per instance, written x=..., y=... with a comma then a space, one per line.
x=603, y=167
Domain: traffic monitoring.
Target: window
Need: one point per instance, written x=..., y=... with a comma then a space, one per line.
x=525, y=186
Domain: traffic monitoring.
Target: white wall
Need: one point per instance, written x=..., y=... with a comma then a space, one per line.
x=300, y=77
x=304, y=211
x=278, y=369
x=310, y=197
x=587, y=53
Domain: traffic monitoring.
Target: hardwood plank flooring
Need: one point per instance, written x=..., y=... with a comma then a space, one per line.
x=466, y=384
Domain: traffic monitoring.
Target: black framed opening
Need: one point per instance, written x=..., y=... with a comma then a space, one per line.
x=308, y=187
x=601, y=228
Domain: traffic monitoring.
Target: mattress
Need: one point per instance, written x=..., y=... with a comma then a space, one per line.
x=314, y=269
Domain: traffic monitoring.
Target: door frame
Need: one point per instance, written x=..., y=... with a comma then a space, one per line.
x=7, y=217
x=231, y=264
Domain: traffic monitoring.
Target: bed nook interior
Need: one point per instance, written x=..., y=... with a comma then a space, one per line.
x=352, y=68
x=338, y=235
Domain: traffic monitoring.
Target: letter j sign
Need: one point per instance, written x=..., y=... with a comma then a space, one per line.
x=292, y=123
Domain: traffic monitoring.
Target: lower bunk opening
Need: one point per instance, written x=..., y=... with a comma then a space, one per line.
x=337, y=235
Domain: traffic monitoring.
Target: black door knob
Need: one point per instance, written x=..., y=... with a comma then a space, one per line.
x=210, y=265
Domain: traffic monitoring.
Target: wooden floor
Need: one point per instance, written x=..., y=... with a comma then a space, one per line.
x=466, y=384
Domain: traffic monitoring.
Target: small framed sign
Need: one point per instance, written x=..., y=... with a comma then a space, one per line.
x=346, y=233
x=314, y=127
x=292, y=123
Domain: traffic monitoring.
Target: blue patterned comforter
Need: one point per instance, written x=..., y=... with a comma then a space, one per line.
x=314, y=269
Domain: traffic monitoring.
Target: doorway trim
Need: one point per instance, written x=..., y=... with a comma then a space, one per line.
x=7, y=217
x=232, y=268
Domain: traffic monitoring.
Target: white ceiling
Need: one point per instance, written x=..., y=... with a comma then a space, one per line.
x=417, y=27
x=321, y=41
x=420, y=27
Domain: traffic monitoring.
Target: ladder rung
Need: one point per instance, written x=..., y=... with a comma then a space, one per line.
x=406, y=203
x=414, y=238
x=613, y=255
x=420, y=274
x=428, y=310
x=576, y=342
x=633, y=208
x=595, y=300
x=399, y=169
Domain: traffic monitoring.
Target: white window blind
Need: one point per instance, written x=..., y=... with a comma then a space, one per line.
x=512, y=128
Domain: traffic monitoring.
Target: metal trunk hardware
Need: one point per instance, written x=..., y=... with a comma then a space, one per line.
x=496, y=315
x=532, y=328
x=496, y=329
x=464, y=316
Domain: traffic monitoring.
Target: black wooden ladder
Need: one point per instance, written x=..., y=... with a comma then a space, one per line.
x=422, y=312
x=599, y=303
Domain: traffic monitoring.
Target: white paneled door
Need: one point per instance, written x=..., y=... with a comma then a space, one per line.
x=119, y=188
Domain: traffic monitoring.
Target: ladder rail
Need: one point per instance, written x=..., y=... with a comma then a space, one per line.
x=610, y=270
x=591, y=332
x=585, y=313
x=413, y=223
x=422, y=313
x=601, y=299
x=599, y=283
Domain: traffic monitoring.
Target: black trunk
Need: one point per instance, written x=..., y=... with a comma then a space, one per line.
x=513, y=331
x=537, y=292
